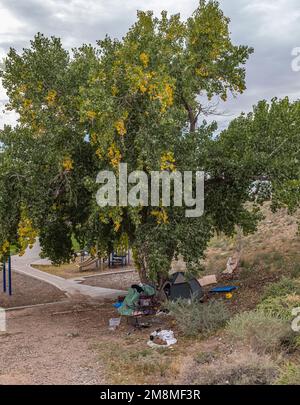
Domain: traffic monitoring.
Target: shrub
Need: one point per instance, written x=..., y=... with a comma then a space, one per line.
x=194, y=317
x=263, y=332
x=289, y=375
x=204, y=357
x=281, y=306
x=240, y=368
x=283, y=287
x=295, y=270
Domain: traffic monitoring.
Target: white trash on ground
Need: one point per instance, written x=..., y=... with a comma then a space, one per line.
x=166, y=336
x=114, y=323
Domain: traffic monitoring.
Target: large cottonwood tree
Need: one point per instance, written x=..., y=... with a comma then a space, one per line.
x=140, y=100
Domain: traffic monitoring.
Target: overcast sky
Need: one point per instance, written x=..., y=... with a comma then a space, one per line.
x=272, y=27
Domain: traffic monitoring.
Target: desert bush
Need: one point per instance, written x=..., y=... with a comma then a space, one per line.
x=240, y=368
x=289, y=375
x=193, y=317
x=295, y=271
x=130, y=364
x=285, y=286
x=280, y=306
x=205, y=357
x=263, y=332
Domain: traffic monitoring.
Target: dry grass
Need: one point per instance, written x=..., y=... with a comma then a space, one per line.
x=70, y=270
x=275, y=245
x=238, y=368
x=134, y=363
x=262, y=332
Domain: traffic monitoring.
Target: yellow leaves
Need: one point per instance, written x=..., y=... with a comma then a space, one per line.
x=169, y=95
x=103, y=218
x=26, y=233
x=165, y=95
x=93, y=138
x=93, y=251
x=117, y=225
x=167, y=162
x=39, y=87
x=114, y=155
x=120, y=124
x=23, y=88
x=99, y=153
x=114, y=90
x=27, y=103
x=68, y=164
x=120, y=127
x=91, y=115
x=142, y=87
x=144, y=58
x=161, y=216
x=202, y=71
x=116, y=215
x=122, y=244
x=51, y=97
x=5, y=248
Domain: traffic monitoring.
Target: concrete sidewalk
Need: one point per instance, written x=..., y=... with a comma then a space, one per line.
x=70, y=287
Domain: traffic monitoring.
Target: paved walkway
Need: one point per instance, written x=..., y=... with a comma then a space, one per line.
x=70, y=287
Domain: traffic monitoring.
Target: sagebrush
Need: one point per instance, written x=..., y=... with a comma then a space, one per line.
x=239, y=368
x=263, y=332
x=194, y=318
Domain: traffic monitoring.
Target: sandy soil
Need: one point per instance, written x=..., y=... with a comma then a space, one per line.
x=52, y=345
x=62, y=343
x=120, y=281
x=29, y=291
x=70, y=270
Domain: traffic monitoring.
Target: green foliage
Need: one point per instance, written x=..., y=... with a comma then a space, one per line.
x=295, y=270
x=262, y=331
x=137, y=101
x=289, y=375
x=282, y=288
x=195, y=318
x=268, y=148
x=280, y=307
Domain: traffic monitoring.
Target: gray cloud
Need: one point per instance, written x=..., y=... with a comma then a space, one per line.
x=272, y=27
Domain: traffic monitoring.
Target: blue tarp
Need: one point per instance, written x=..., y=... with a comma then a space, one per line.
x=226, y=288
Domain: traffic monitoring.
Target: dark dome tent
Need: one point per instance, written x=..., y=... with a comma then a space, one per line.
x=178, y=286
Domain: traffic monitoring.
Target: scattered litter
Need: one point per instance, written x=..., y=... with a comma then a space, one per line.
x=225, y=289
x=207, y=280
x=72, y=335
x=162, y=338
x=132, y=306
x=117, y=304
x=114, y=323
x=228, y=295
x=231, y=265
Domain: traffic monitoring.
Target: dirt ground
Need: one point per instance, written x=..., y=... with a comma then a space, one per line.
x=29, y=291
x=120, y=281
x=70, y=342
x=66, y=343
x=70, y=270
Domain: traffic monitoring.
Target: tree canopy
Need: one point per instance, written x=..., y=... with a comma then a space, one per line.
x=139, y=100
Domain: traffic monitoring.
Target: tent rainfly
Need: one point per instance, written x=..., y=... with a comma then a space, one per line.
x=178, y=286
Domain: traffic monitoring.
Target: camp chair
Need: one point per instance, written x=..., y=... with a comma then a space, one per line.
x=145, y=307
x=118, y=259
